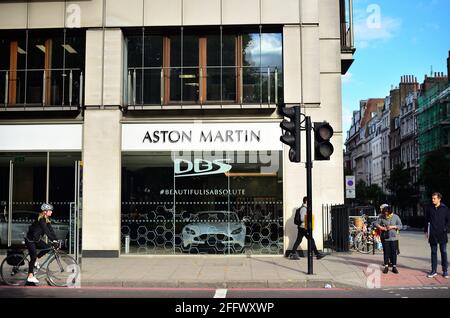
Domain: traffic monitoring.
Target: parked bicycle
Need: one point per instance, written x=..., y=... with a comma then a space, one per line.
x=364, y=239
x=60, y=268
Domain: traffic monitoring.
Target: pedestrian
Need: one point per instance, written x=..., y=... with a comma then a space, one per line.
x=299, y=220
x=34, y=241
x=381, y=238
x=389, y=224
x=437, y=222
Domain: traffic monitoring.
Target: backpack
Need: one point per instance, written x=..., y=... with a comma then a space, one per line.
x=297, y=218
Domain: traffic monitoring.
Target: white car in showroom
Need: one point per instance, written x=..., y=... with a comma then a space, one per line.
x=214, y=230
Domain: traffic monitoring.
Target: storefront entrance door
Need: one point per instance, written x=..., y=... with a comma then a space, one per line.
x=29, y=179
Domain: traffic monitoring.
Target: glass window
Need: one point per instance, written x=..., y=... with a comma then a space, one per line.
x=39, y=66
x=205, y=66
x=251, y=56
x=13, y=52
x=190, y=82
x=169, y=209
x=175, y=67
x=271, y=64
x=214, y=67
x=153, y=61
x=135, y=71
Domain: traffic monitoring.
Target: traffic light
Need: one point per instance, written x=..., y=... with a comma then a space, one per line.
x=291, y=134
x=323, y=149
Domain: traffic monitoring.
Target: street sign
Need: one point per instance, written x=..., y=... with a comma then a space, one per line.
x=350, y=187
x=350, y=194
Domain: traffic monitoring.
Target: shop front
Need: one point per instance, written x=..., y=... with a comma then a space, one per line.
x=39, y=163
x=202, y=188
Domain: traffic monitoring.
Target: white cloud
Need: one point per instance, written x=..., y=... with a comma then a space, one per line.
x=347, y=78
x=368, y=33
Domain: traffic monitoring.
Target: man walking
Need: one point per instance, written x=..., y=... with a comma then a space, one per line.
x=299, y=220
x=437, y=222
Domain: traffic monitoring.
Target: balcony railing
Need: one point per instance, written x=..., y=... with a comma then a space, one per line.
x=347, y=31
x=232, y=85
x=31, y=89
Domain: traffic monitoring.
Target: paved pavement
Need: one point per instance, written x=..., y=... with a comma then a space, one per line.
x=339, y=270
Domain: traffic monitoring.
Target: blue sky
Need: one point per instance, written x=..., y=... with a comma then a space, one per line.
x=406, y=38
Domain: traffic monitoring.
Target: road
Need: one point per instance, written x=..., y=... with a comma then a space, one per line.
x=105, y=292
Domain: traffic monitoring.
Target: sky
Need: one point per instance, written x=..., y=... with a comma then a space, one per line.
x=394, y=38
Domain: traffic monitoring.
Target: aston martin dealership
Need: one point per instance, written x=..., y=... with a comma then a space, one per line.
x=152, y=125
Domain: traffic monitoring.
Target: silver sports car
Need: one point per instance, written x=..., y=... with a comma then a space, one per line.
x=213, y=229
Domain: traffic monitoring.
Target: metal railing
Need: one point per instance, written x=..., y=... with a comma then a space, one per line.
x=202, y=85
x=41, y=87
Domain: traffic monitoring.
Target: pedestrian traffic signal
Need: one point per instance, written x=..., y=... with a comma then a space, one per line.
x=291, y=130
x=323, y=149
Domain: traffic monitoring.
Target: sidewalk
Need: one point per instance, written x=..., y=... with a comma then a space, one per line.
x=340, y=270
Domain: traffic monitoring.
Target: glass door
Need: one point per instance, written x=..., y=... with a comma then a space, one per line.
x=5, y=200
x=29, y=179
x=27, y=191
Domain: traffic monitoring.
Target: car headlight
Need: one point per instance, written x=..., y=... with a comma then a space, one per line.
x=189, y=231
x=237, y=231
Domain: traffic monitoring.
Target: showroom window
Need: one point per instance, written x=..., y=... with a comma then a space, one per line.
x=29, y=179
x=202, y=202
x=215, y=66
x=41, y=67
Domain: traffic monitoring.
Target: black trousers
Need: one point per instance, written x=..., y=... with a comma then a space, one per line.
x=32, y=250
x=300, y=234
x=390, y=252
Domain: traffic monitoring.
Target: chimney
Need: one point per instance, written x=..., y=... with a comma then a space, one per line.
x=448, y=68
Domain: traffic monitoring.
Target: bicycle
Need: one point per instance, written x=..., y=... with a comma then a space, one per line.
x=61, y=269
x=366, y=240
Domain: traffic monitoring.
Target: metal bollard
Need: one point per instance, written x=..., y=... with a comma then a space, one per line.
x=127, y=244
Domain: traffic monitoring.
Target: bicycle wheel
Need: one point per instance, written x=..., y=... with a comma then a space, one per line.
x=14, y=275
x=63, y=270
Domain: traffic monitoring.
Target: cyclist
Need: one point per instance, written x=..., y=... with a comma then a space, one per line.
x=33, y=239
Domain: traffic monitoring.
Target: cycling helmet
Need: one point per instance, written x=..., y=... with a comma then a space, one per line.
x=383, y=206
x=46, y=207
x=387, y=208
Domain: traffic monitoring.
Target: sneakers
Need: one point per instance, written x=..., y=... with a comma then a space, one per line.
x=37, y=266
x=386, y=270
x=33, y=280
x=445, y=275
x=395, y=270
x=432, y=275
x=294, y=257
x=320, y=255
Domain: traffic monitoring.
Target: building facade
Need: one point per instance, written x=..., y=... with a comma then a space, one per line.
x=155, y=121
x=384, y=131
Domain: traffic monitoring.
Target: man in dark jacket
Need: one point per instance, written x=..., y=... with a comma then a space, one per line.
x=299, y=220
x=437, y=223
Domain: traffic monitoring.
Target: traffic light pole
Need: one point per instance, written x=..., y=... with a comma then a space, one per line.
x=309, y=165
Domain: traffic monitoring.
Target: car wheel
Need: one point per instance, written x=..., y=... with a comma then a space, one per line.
x=186, y=249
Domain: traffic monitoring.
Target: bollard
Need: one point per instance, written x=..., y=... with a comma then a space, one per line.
x=127, y=244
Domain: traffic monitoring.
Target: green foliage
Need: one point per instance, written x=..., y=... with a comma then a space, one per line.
x=401, y=188
x=369, y=195
x=435, y=174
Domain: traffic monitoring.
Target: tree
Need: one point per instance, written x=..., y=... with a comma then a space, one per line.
x=399, y=183
x=372, y=194
x=435, y=175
